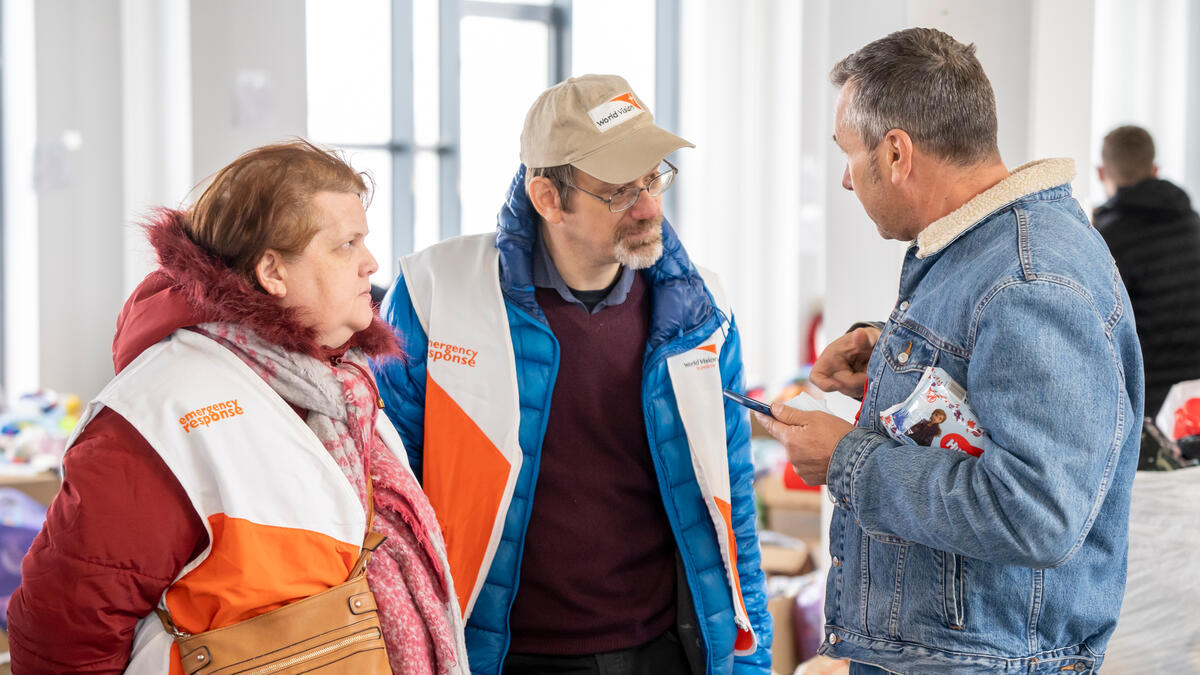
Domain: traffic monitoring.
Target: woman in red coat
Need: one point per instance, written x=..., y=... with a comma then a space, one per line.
x=207, y=505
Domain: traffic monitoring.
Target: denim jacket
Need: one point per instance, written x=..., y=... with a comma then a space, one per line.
x=1013, y=561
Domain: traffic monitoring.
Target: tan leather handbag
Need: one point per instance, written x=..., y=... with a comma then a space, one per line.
x=334, y=632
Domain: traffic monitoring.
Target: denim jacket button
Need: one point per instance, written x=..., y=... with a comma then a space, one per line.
x=837, y=562
x=1080, y=667
x=904, y=306
x=902, y=357
x=833, y=639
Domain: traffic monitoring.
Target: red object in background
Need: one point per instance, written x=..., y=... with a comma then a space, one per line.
x=1187, y=419
x=812, y=339
x=793, y=481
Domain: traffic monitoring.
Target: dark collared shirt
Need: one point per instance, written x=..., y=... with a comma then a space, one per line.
x=545, y=275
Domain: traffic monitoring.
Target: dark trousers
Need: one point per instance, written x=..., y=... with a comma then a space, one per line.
x=661, y=656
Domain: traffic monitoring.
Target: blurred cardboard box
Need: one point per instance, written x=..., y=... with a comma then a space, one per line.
x=41, y=486
x=783, y=648
x=791, y=560
x=757, y=430
x=796, y=513
x=799, y=523
x=771, y=490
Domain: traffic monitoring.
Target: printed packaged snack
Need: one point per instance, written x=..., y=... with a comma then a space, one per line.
x=1179, y=417
x=936, y=414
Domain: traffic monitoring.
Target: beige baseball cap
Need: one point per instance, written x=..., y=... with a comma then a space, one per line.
x=598, y=125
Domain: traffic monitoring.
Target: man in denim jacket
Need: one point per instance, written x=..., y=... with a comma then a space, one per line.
x=1013, y=561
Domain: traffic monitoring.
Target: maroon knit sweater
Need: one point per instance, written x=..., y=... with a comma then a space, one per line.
x=598, y=569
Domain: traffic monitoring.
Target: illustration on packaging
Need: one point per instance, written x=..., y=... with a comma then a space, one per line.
x=936, y=414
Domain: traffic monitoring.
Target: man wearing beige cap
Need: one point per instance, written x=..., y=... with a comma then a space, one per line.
x=561, y=402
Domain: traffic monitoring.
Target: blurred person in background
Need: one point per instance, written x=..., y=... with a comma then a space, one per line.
x=1154, y=235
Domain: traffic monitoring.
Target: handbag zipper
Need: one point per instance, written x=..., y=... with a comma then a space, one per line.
x=289, y=662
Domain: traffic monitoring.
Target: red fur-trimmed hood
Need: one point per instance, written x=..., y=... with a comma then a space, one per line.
x=192, y=286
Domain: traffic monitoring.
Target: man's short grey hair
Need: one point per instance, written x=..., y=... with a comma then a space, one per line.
x=1128, y=155
x=928, y=84
x=563, y=177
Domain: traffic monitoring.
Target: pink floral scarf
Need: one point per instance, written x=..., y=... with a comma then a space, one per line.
x=406, y=573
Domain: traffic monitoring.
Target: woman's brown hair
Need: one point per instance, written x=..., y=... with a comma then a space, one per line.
x=262, y=201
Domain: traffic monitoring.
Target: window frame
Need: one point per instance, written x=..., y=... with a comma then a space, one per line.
x=402, y=147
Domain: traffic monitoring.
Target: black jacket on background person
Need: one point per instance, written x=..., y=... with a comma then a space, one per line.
x=1154, y=236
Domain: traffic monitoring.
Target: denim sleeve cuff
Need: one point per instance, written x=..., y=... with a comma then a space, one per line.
x=843, y=465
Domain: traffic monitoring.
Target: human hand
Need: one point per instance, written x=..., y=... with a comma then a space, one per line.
x=842, y=366
x=809, y=437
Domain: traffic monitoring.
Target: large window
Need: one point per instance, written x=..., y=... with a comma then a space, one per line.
x=430, y=96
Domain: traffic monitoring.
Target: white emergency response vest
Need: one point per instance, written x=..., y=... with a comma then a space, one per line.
x=283, y=521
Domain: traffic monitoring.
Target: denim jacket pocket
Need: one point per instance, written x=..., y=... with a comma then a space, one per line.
x=887, y=538
x=904, y=350
x=953, y=590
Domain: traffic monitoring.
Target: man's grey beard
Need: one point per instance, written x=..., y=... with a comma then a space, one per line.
x=646, y=254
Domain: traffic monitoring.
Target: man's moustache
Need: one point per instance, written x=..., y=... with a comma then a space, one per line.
x=638, y=227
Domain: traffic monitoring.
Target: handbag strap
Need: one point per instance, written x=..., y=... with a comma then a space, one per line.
x=373, y=539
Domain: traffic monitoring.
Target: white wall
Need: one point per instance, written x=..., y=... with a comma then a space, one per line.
x=79, y=190
x=1191, y=139
x=19, y=116
x=739, y=189
x=862, y=270
x=1144, y=77
x=157, y=119
x=1059, y=98
x=248, y=77
x=135, y=101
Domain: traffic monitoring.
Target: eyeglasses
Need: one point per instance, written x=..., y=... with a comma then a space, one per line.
x=626, y=197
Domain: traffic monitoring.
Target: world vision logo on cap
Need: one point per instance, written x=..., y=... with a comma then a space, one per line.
x=615, y=111
x=703, y=361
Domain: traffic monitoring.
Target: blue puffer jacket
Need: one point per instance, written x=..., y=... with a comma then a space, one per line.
x=683, y=316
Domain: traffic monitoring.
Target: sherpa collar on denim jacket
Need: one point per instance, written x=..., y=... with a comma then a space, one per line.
x=1025, y=180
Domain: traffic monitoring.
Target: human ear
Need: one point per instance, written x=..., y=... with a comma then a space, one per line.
x=543, y=194
x=272, y=273
x=897, y=154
